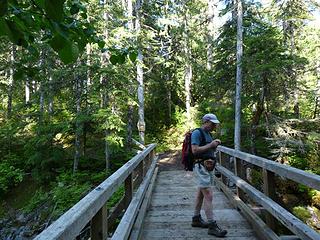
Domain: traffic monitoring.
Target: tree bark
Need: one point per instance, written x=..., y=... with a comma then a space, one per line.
x=237, y=129
x=27, y=90
x=141, y=122
x=211, y=31
x=188, y=69
x=130, y=88
x=10, y=83
x=104, y=93
x=50, y=95
x=317, y=99
x=78, y=127
x=256, y=119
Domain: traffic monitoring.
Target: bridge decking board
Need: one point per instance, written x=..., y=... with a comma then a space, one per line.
x=171, y=209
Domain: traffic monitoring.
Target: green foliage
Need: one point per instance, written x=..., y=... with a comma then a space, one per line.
x=298, y=162
x=257, y=179
x=302, y=213
x=69, y=190
x=38, y=199
x=9, y=177
x=66, y=31
x=116, y=197
x=46, y=151
x=316, y=198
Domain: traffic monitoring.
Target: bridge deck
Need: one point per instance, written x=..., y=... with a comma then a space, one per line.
x=171, y=209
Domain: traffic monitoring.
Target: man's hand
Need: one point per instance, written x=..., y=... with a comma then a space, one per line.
x=215, y=143
x=198, y=150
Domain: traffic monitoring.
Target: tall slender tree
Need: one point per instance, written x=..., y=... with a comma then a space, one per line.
x=141, y=122
x=237, y=128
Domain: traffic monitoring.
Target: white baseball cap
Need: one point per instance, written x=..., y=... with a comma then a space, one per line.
x=210, y=117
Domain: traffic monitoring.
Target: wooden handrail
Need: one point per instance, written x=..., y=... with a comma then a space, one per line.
x=297, y=175
x=270, y=168
x=289, y=220
x=93, y=205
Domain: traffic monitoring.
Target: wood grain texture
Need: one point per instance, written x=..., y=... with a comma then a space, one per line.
x=171, y=211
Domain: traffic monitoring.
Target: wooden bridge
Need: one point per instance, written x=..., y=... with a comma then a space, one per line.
x=159, y=204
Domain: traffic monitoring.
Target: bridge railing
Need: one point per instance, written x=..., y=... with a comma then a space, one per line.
x=232, y=169
x=92, y=209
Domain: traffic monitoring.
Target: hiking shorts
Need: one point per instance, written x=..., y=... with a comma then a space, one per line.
x=204, y=178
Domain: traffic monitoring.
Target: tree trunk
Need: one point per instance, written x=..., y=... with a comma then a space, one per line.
x=168, y=88
x=211, y=31
x=41, y=102
x=78, y=127
x=27, y=91
x=10, y=83
x=188, y=77
x=237, y=128
x=41, y=85
x=50, y=95
x=188, y=69
x=255, y=121
x=130, y=88
x=104, y=93
x=317, y=100
x=141, y=122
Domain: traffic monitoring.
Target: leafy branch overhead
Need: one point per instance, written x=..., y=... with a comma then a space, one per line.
x=62, y=24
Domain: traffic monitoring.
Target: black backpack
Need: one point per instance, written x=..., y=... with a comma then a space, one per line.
x=187, y=155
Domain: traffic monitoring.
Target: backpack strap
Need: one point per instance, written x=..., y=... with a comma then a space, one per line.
x=202, y=142
x=202, y=138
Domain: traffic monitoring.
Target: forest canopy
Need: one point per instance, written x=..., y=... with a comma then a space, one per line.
x=81, y=81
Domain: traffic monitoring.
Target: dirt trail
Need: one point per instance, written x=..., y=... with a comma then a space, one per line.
x=170, y=161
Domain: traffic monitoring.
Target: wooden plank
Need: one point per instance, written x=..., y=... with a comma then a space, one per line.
x=297, y=175
x=239, y=170
x=269, y=191
x=99, y=225
x=205, y=237
x=221, y=215
x=289, y=237
x=73, y=221
x=124, y=228
x=136, y=230
x=261, y=229
x=171, y=217
x=190, y=232
x=289, y=220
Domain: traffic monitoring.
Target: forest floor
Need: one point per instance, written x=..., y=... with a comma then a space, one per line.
x=170, y=161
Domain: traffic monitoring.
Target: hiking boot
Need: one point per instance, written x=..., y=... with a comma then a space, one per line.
x=215, y=230
x=197, y=221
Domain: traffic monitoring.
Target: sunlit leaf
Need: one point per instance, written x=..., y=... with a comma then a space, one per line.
x=114, y=59
x=133, y=56
x=54, y=9
x=58, y=42
x=69, y=53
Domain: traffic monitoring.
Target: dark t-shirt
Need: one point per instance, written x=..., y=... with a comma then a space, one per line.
x=196, y=140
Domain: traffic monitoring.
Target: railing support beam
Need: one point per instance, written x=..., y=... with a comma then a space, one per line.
x=99, y=225
x=269, y=190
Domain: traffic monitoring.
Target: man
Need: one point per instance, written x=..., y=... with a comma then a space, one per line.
x=203, y=150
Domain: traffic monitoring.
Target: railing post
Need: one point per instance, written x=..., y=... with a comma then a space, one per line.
x=99, y=225
x=269, y=190
x=140, y=172
x=238, y=171
x=223, y=163
x=128, y=188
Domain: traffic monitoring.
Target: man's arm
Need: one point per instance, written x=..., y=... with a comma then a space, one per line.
x=196, y=149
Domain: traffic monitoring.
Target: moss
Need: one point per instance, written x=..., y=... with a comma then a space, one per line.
x=316, y=199
x=302, y=213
